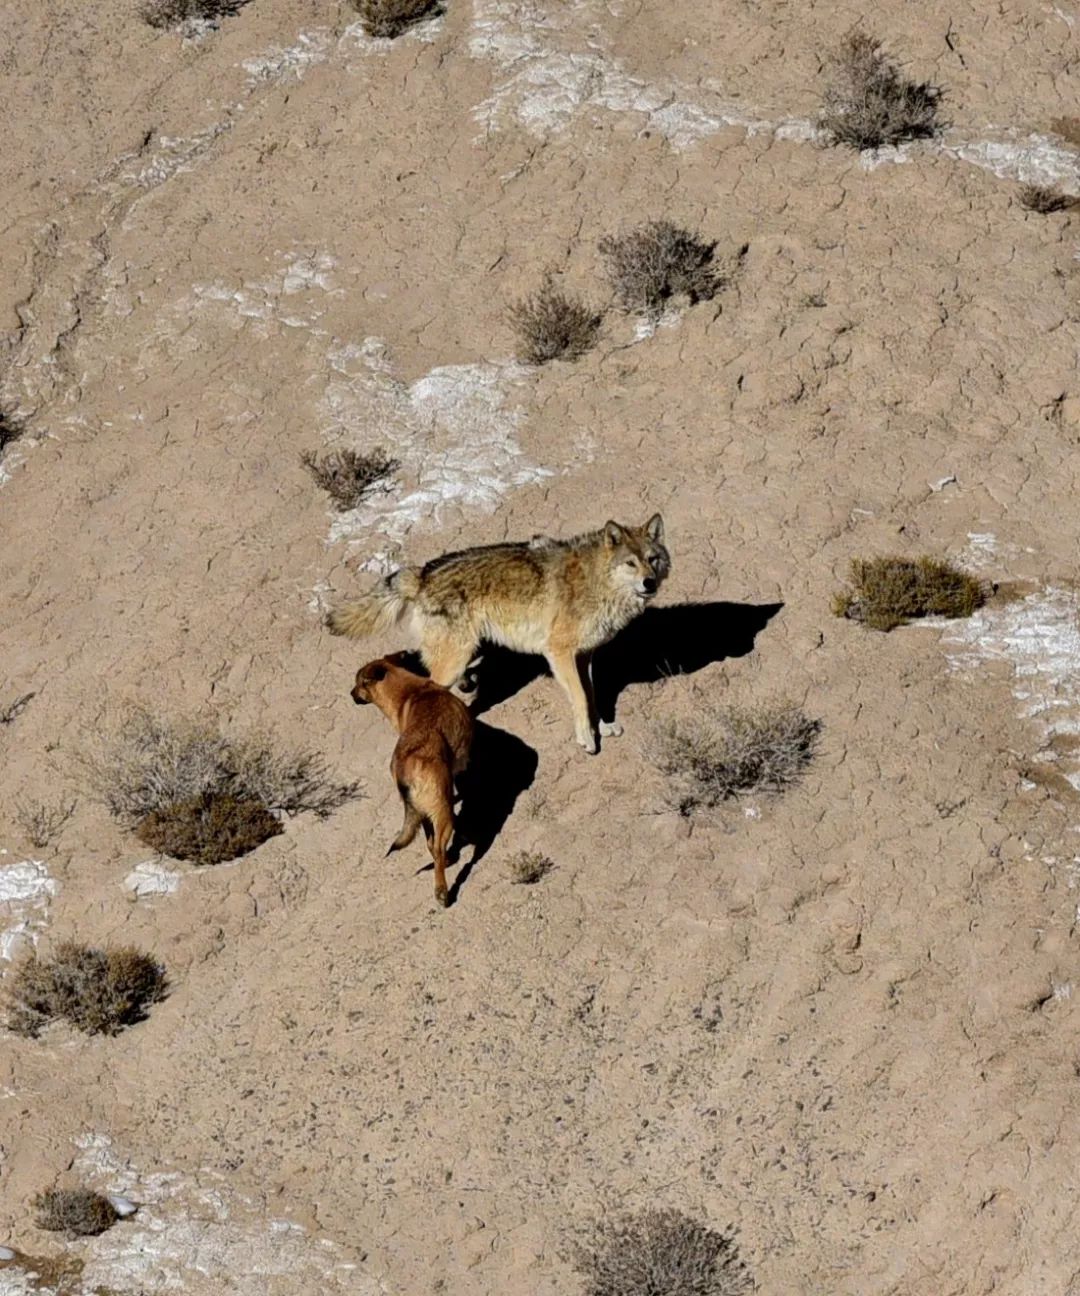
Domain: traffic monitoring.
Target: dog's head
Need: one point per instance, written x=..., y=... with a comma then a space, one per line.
x=639, y=561
x=371, y=679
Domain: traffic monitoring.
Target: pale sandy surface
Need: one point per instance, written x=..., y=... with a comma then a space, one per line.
x=842, y=1021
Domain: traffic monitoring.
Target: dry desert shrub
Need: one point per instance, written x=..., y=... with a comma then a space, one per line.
x=528, y=867
x=553, y=326
x=871, y=103
x=1045, y=201
x=169, y=14
x=389, y=18
x=720, y=752
x=347, y=475
x=652, y=263
x=41, y=822
x=890, y=592
x=79, y=1212
x=1068, y=129
x=178, y=784
x=98, y=991
x=208, y=829
x=659, y=1253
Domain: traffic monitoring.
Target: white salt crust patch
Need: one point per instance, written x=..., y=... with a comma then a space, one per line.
x=25, y=891
x=288, y=297
x=196, y=1236
x=151, y=878
x=1039, y=639
x=453, y=431
x=548, y=87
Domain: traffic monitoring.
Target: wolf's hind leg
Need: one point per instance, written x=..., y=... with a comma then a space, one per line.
x=448, y=659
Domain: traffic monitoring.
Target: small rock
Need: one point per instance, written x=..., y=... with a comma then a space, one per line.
x=123, y=1206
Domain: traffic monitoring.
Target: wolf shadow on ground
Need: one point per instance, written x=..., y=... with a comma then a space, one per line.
x=676, y=640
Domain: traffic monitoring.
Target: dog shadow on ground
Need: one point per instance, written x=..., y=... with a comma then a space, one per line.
x=675, y=640
x=501, y=767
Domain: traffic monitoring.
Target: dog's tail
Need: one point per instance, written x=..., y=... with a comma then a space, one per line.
x=379, y=609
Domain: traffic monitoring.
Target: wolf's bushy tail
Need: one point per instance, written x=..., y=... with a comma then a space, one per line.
x=379, y=609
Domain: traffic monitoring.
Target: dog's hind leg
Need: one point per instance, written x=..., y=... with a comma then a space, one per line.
x=439, y=829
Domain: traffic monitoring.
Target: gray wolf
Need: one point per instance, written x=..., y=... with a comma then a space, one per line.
x=436, y=732
x=561, y=598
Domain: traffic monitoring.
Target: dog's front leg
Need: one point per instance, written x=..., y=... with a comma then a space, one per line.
x=565, y=668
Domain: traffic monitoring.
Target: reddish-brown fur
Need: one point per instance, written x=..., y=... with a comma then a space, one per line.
x=436, y=732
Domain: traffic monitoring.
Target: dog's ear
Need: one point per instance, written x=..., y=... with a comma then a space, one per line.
x=654, y=529
x=613, y=534
x=375, y=672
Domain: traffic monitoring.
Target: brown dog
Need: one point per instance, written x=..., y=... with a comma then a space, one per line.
x=436, y=732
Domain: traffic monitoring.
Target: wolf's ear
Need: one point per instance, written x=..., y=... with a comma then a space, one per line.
x=613, y=534
x=654, y=529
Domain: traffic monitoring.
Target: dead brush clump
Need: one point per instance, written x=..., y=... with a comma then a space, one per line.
x=720, y=752
x=208, y=829
x=550, y=325
x=651, y=264
x=1045, y=201
x=870, y=103
x=167, y=15
x=659, y=1253
x=526, y=868
x=890, y=592
x=348, y=476
x=41, y=822
x=98, y=991
x=187, y=788
x=389, y=18
x=78, y=1212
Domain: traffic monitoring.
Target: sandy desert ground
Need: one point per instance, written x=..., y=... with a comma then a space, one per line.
x=842, y=1020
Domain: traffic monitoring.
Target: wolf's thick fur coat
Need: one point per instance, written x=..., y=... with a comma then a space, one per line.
x=560, y=598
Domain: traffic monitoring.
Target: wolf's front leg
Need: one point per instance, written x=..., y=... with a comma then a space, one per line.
x=564, y=666
x=607, y=728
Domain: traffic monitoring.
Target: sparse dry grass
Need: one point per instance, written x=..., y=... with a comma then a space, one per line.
x=720, y=752
x=659, y=1253
x=889, y=592
x=98, y=991
x=389, y=18
x=528, y=867
x=150, y=763
x=208, y=829
x=10, y=713
x=550, y=325
x=170, y=14
x=870, y=102
x=41, y=822
x=348, y=476
x=651, y=264
x=78, y=1212
x=1045, y=201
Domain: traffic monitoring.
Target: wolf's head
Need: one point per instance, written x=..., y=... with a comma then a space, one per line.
x=639, y=562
